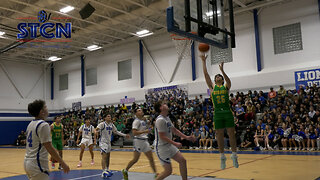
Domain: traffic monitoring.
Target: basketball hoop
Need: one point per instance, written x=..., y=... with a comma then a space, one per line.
x=183, y=46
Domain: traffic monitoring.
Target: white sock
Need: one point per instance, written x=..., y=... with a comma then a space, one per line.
x=222, y=155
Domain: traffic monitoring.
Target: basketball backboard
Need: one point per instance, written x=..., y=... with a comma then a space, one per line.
x=201, y=20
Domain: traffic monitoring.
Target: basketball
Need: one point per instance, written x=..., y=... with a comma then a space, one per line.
x=203, y=47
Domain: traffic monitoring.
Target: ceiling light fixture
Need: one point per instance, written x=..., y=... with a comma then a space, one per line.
x=66, y=9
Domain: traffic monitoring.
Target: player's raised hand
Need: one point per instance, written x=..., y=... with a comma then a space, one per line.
x=221, y=66
x=203, y=57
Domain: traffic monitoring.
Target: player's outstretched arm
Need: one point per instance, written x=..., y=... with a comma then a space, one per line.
x=56, y=156
x=180, y=134
x=205, y=71
x=225, y=76
x=114, y=130
x=164, y=137
x=80, y=132
x=135, y=132
x=96, y=131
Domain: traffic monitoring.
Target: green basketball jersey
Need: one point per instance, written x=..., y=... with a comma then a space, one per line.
x=220, y=99
x=56, y=132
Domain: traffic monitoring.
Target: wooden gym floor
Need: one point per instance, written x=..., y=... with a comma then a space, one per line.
x=201, y=163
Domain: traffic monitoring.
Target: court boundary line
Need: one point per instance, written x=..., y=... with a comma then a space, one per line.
x=291, y=153
x=202, y=175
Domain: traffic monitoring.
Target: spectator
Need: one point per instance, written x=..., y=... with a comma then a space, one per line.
x=269, y=135
x=250, y=113
x=240, y=113
x=259, y=137
x=197, y=135
x=311, y=135
x=312, y=112
x=21, y=140
x=189, y=109
x=272, y=94
x=292, y=136
x=204, y=136
x=248, y=139
x=282, y=92
x=302, y=139
x=211, y=139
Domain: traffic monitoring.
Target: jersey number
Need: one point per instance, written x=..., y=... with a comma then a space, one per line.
x=221, y=99
x=30, y=139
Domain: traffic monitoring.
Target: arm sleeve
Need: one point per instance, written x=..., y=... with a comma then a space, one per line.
x=135, y=124
x=161, y=125
x=114, y=130
x=44, y=133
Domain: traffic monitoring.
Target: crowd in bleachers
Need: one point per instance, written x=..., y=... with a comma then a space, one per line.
x=282, y=119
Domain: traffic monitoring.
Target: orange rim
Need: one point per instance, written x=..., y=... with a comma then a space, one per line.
x=177, y=38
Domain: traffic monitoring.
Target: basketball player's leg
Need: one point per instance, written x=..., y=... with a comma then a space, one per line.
x=60, y=148
x=167, y=171
x=232, y=138
x=220, y=139
x=107, y=160
x=233, y=144
x=103, y=160
x=182, y=165
x=136, y=156
x=151, y=160
x=60, y=154
x=82, y=147
x=91, y=153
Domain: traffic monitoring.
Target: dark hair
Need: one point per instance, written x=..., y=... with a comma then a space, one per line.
x=157, y=106
x=136, y=109
x=87, y=117
x=105, y=115
x=220, y=76
x=35, y=107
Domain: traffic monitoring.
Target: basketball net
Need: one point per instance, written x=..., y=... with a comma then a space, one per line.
x=183, y=46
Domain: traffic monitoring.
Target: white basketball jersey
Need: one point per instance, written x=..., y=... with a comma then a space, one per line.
x=106, y=130
x=140, y=125
x=86, y=131
x=163, y=124
x=38, y=132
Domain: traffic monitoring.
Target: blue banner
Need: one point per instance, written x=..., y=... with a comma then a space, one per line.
x=307, y=78
x=165, y=88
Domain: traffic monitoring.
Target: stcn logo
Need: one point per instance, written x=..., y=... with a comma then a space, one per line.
x=29, y=30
